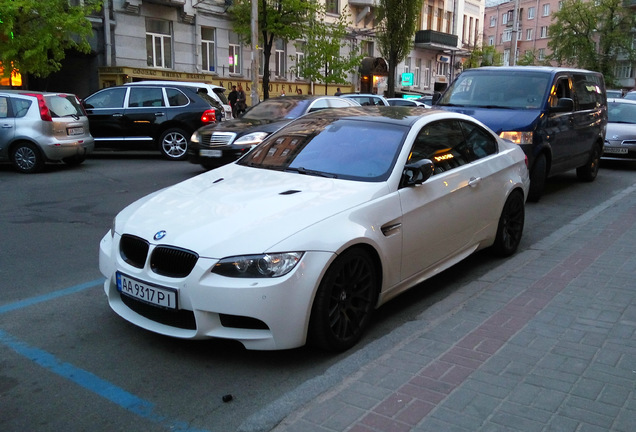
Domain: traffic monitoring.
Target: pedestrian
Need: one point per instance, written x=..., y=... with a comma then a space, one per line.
x=241, y=101
x=282, y=93
x=338, y=92
x=232, y=97
x=299, y=91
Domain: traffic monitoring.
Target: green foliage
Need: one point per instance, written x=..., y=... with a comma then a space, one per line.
x=592, y=35
x=35, y=34
x=322, y=60
x=485, y=56
x=277, y=19
x=397, y=20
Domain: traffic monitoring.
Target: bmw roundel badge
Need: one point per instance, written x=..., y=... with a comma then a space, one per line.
x=160, y=234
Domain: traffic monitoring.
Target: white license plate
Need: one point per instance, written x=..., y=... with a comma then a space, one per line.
x=75, y=130
x=210, y=153
x=158, y=296
x=615, y=150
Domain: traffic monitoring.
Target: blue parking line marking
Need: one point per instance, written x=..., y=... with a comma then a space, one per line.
x=50, y=296
x=81, y=377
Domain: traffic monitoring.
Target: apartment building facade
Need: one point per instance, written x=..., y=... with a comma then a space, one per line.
x=193, y=40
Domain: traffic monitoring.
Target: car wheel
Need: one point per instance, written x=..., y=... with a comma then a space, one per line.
x=589, y=171
x=174, y=144
x=344, y=302
x=510, y=226
x=538, y=176
x=27, y=158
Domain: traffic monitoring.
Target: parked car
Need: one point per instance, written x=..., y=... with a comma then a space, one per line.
x=366, y=99
x=630, y=95
x=614, y=93
x=39, y=127
x=620, y=140
x=215, y=145
x=557, y=115
x=324, y=221
x=150, y=116
x=406, y=102
x=216, y=92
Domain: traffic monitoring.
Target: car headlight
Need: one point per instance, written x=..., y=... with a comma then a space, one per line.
x=251, y=138
x=258, y=266
x=195, y=137
x=517, y=137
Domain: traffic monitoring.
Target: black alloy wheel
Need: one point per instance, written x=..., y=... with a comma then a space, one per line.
x=27, y=158
x=345, y=301
x=510, y=228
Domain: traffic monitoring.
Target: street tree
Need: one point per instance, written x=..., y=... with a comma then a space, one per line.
x=592, y=35
x=484, y=56
x=36, y=34
x=322, y=49
x=277, y=20
x=396, y=24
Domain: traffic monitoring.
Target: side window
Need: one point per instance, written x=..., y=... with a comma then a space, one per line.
x=479, y=143
x=20, y=107
x=444, y=144
x=588, y=92
x=4, y=107
x=561, y=89
x=176, y=98
x=319, y=104
x=146, y=97
x=109, y=98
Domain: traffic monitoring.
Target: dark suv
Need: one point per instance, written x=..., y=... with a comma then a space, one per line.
x=162, y=116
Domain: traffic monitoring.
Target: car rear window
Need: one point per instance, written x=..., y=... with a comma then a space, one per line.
x=63, y=105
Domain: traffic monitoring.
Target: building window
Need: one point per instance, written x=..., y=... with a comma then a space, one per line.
x=541, y=53
x=427, y=73
x=416, y=72
x=529, y=34
x=367, y=48
x=506, y=36
x=300, y=58
x=546, y=9
x=506, y=57
x=333, y=7
x=234, y=56
x=623, y=70
x=429, y=17
x=407, y=65
x=531, y=13
x=279, y=56
x=159, y=43
x=449, y=20
x=440, y=20
x=493, y=21
x=208, y=57
x=544, y=32
x=491, y=40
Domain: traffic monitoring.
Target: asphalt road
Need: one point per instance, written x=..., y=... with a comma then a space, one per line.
x=68, y=363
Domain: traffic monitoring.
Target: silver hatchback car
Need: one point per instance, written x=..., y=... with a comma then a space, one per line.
x=40, y=127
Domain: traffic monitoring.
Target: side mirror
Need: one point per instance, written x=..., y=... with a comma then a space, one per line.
x=564, y=105
x=417, y=173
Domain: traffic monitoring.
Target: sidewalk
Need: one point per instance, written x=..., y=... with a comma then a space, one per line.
x=544, y=342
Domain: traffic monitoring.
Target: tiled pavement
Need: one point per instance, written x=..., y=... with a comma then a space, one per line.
x=544, y=342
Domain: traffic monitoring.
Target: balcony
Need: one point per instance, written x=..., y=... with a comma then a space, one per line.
x=435, y=39
x=364, y=3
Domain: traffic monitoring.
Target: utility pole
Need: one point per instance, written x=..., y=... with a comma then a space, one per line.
x=515, y=33
x=255, y=53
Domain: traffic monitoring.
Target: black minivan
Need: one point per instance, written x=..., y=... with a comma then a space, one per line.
x=557, y=115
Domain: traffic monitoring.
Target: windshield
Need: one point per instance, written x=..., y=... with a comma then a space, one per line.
x=498, y=89
x=621, y=113
x=279, y=108
x=348, y=149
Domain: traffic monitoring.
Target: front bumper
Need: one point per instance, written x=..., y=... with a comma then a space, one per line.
x=261, y=313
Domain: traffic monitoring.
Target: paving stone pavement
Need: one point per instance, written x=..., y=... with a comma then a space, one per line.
x=544, y=342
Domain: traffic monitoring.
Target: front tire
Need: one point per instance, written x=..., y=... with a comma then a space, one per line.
x=27, y=158
x=173, y=144
x=510, y=227
x=345, y=301
x=589, y=171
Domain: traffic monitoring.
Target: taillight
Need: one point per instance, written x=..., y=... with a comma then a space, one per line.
x=209, y=116
x=45, y=114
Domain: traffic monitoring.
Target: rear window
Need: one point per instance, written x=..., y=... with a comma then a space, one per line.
x=588, y=91
x=63, y=105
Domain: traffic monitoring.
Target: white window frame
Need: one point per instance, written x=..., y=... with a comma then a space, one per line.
x=544, y=32
x=280, y=48
x=546, y=9
x=506, y=36
x=234, y=54
x=208, y=51
x=416, y=72
x=493, y=21
x=491, y=40
x=529, y=33
x=159, y=46
x=531, y=12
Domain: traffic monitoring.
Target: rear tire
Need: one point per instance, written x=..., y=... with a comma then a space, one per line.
x=538, y=176
x=344, y=302
x=27, y=158
x=510, y=228
x=173, y=144
x=589, y=171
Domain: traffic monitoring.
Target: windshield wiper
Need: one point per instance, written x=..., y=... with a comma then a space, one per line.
x=301, y=170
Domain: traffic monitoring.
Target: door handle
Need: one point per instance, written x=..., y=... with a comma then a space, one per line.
x=159, y=114
x=117, y=115
x=6, y=126
x=474, y=181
